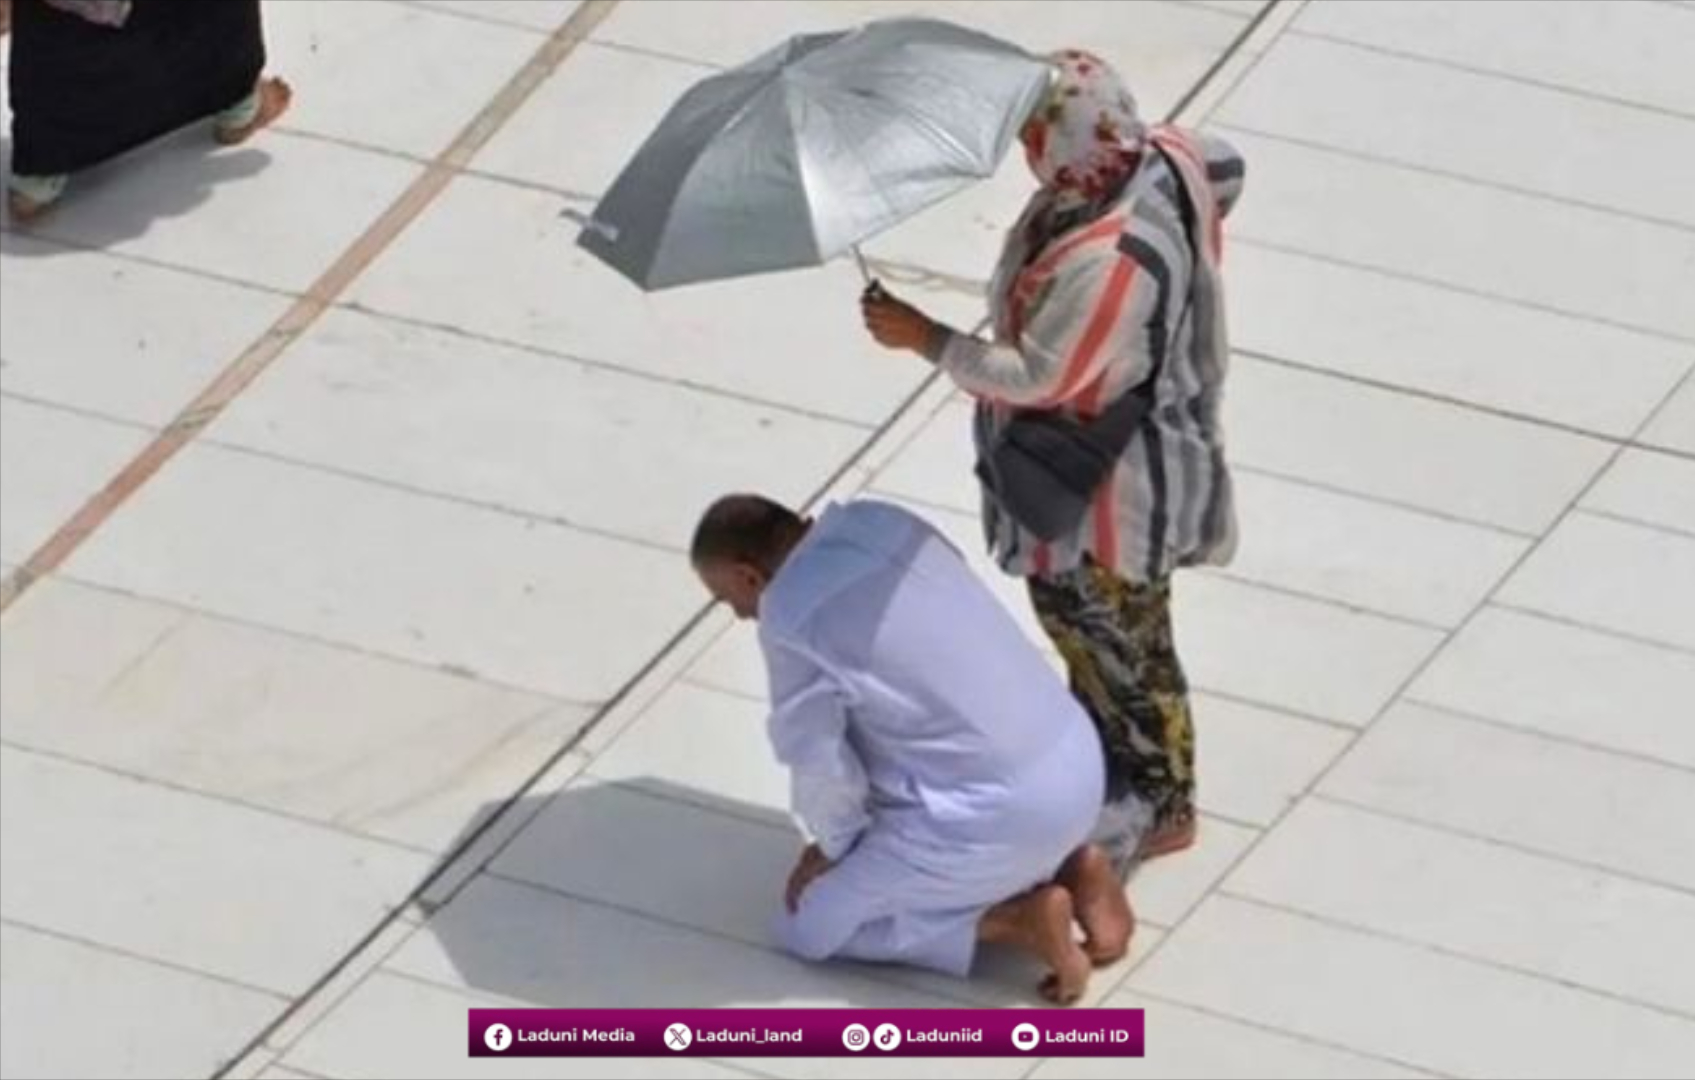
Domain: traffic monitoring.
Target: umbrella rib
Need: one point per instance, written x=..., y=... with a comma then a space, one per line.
x=748, y=101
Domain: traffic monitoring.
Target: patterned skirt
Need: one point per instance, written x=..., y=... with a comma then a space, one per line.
x=1115, y=638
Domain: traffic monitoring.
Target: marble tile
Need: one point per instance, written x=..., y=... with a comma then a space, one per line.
x=196, y=875
x=141, y=360
x=540, y=435
x=1478, y=126
x=1533, y=793
x=1575, y=925
x=536, y=14
x=792, y=339
x=153, y=1020
x=574, y=136
x=51, y=463
x=1673, y=427
x=1568, y=682
x=1573, y=46
x=1254, y=762
x=1464, y=235
x=1286, y=652
x=371, y=73
x=1365, y=554
x=234, y=213
x=1458, y=345
x=1419, y=453
x=1306, y=979
x=353, y=563
x=349, y=740
x=1614, y=576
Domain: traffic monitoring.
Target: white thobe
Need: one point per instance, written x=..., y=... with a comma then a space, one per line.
x=935, y=755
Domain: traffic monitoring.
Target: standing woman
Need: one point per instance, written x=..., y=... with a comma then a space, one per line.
x=91, y=79
x=1097, y=425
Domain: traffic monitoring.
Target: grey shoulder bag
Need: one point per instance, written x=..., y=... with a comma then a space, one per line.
x=1044, y=468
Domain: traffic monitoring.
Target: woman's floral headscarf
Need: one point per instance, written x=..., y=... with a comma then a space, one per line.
x=1083, y=141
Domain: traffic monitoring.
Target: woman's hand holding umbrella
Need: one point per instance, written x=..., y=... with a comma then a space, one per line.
x=896, y=324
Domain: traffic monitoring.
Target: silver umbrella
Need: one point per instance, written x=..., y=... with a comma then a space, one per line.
x=797, y=156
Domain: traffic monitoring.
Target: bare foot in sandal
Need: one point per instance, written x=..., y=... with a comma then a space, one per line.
x=274, y=98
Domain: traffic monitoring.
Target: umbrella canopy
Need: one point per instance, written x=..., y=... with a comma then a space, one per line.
x=828, y=139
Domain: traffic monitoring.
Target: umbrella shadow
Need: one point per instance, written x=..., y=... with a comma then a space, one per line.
x=636, y=894
x=647, y=893
x=122, y=199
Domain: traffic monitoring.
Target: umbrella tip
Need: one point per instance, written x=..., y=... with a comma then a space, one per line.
x=605, y=229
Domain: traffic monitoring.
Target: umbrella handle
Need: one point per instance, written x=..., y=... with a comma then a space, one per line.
x=864, y=270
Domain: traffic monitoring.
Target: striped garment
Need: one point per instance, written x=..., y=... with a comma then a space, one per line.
x=1088, y=316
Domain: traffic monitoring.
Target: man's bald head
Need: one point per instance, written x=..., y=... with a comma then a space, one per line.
x=739, y=546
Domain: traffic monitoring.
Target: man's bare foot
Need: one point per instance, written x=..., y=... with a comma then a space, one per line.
x=1039, y=922
x=1102, y=908
x=1169, y=838
x=1049, y=928
x=274, y=98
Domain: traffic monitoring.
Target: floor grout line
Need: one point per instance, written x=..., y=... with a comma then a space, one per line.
x=1314, y=783
x=553, y=699
x=1439, y=398
x=279, y=996
x=240, y=373
x=1607, y=631
x=1296, y=1036
x=1293, y=592
x=608, y=366
x=706, y=67
x=1543, y=735
x=324, y=1009
x=1683, y=384
x=516, y=513
x=67, y=245
x=1469, y=179
x=1674, y=531
x=16, y=745
x=1447, y=285
x=324, y=468
x=1449, y=952
x=705, y=682
x=1484, y=603
x=479, y=17
x=1431, y=60
x=1352, y=494
x=697, y=681
x=1463, y=833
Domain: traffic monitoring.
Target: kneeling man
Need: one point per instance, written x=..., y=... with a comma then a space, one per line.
x=948, y=778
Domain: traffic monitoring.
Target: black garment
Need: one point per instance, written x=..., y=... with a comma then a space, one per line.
x=83, y=93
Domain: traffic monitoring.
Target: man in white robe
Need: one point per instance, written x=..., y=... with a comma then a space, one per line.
x=948, y=778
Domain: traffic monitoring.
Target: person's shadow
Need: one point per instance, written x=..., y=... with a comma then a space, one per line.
x=122, y=199
x=650, y=894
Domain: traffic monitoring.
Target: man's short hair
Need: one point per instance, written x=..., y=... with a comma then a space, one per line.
x=747, y=529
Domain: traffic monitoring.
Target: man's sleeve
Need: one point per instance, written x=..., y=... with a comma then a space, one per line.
x=829, y=791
